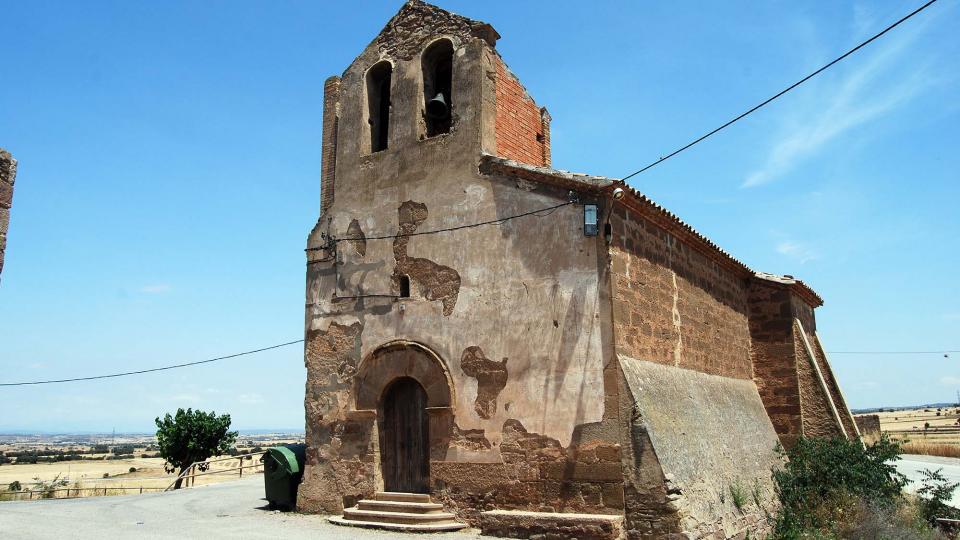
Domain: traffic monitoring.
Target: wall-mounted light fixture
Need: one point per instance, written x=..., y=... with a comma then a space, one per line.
x=590, y=220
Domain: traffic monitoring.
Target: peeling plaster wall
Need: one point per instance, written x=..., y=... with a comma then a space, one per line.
x=709, y=434
x=525, y=293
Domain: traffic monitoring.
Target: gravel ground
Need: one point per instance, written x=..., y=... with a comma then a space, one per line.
x=228, y=510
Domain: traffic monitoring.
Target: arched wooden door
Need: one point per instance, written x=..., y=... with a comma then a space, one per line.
x=404, y=437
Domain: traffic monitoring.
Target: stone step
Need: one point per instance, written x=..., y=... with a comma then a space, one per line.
x=408, y=518
x=397, y=496
x=524, y=524
x=400, y=506
x=404, y=527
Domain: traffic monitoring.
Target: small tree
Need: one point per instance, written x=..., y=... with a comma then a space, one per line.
x=935, y=495
x=192, y=436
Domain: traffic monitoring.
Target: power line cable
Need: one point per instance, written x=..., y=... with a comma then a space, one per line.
x=894, y=352
x=138, y=372
x=498, y=221
x=255, y=351
x=782, y=92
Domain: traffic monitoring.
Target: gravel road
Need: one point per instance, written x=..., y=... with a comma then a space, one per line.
x=227, y=510
x=912, y=465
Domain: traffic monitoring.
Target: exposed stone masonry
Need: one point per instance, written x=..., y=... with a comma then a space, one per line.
x=8, y=173
x=491, y=378
x=434, y=281
x=674, y=306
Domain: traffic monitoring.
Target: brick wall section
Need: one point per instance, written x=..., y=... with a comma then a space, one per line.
x=331, y=98
x=8, y=173
x=673, y=305
x=522, y=128
x=774, y=358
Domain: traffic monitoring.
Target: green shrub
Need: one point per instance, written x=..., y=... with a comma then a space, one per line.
x=823, y=478
x=935, y=492
x=14, y=486
x=738, y=495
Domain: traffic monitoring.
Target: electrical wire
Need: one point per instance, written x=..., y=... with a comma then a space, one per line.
x=533, y=212
x=499, y=221
x=894, y=352
x=138, y=372
x=782, y=92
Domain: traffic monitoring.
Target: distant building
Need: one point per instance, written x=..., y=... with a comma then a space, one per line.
x=869, y=427
x=594, y=362
x=8, y=173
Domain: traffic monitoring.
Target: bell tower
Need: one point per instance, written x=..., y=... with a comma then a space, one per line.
x=430, y=91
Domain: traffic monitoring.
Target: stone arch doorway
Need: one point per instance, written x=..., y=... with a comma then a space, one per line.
x=409, y=390
x=404, y=431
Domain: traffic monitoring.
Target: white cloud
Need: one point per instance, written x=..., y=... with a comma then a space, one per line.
x=950, y=380
x=250, y=399
x=877, y=85
x=798, y=251
x=156, y=288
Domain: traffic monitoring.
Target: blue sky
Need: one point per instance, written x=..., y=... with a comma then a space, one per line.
x=170, y=159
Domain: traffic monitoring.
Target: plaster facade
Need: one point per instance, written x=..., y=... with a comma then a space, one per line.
x=637, y=373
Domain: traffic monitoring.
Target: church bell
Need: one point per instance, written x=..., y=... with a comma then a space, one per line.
x=437, y=107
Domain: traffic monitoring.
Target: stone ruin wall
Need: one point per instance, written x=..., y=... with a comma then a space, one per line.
x=869, y=426
x=674, y=306
x=8, y=173
x=796, y=400
x=528, y=427
x=774, y=358
x=682, y=334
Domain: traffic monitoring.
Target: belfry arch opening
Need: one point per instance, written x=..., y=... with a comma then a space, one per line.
x=437, y=65
x=378, y=104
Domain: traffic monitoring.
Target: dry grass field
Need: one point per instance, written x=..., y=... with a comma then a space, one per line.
x=86, y=478
x=927, y=431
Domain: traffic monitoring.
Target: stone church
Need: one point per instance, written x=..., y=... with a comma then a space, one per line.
x=496, y=343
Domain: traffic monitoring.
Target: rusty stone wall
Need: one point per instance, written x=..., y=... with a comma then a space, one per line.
x=674, y=306
x=833, y=387
x=817, y=415
x=536, y=473
x=524, y=426
x=522, y=127
x=869, y=426
x=8, y=173
x=792, y=392
x=774, y=358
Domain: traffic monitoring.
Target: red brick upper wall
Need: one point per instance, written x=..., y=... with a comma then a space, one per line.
x=523, y=128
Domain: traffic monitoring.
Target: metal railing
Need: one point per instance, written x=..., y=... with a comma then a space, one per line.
x=188, y=476
x=71, y=492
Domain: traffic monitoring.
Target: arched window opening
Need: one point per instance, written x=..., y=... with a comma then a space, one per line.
x=437, y=65
x=378, y=105
x=404, y=286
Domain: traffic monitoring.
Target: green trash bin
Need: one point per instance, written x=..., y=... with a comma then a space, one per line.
x=282, y=472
